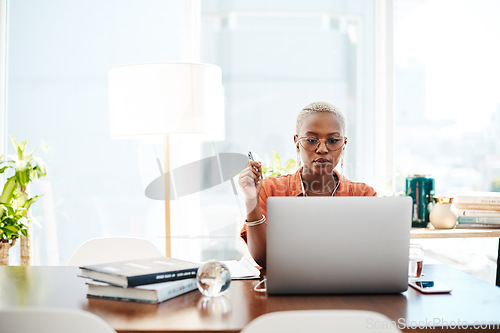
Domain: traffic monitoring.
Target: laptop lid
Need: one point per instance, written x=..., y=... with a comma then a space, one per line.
x=337, y=245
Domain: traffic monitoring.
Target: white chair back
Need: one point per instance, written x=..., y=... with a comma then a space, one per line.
x=51, y=320
x=108, y=249
x=322, y=321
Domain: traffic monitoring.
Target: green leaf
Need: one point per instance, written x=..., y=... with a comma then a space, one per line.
x=9, y=233
x=23, y=172
x=4, y=234
x=41, y=169
x=19, y=148
x=23, y=146
x=20, y=213
x=32, y=174
x=276, y=161
x=8, y=190
x=3, y=209
x=31, y=201
x=30, y=154
x=3, y=169
x=290, y=165
x=12, y=228
x=14, y=142
x=20, y=153
x=23, y=177
x=19, y=200
x=10, y=210
x=24, y=231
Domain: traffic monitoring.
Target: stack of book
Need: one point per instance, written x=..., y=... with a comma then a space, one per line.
x=151, y=280
x=478, y=210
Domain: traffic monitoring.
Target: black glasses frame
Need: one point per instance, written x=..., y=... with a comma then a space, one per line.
x=344, y=139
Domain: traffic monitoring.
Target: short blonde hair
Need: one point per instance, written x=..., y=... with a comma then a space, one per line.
x=317, y=107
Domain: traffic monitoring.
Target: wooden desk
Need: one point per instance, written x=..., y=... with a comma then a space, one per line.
x=472, y=301
x=426, y=233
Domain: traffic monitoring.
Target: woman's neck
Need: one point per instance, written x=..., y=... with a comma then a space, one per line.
x=320, y=185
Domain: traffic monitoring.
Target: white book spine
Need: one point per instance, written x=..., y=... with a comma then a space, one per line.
x=183, y=287
x=477, y=199
x=478, y=212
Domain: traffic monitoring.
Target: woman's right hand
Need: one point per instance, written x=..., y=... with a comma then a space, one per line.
x=250, y=181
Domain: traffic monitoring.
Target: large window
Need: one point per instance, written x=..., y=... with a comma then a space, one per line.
x=278, y=56
x=58, y=56
x=447, y=108
x=447, y=93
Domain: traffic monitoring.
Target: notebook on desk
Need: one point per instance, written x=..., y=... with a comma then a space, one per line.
x=337, y=245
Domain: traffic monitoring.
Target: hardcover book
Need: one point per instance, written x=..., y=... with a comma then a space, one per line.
x=478, y=220
x=138, y=272
x=477, y=206
x=151, y=293
x=478, y=200
x=478, y=213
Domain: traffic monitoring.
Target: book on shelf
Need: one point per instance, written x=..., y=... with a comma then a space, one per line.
x=151, y=293
x=478, y=213
x=478, y=200
x=138, y=272
x=477, y=206
x=479, y=219
x=477, y=226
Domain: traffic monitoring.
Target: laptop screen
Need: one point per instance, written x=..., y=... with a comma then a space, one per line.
x=342, y=245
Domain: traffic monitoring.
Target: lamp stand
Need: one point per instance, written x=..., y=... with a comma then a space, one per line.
x=166, y=167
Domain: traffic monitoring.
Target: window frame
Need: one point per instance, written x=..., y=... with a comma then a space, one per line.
x=384, y=96
x=3, y=76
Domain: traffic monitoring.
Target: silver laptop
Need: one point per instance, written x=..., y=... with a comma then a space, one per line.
x=338, y=245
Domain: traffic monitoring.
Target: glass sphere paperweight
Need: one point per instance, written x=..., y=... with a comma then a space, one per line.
x=213, y=278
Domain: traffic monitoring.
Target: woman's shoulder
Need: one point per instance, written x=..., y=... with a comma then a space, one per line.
x=278, y=179
x=355, y=189
x=282, y=185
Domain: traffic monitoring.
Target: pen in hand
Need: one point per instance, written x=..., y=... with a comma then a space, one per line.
x=250, y=157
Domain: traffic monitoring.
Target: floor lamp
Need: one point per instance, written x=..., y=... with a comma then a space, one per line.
x=165, y=99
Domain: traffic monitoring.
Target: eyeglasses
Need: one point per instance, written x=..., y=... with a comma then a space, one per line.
x=311, y=144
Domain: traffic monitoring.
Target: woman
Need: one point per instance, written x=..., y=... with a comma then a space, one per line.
x=320, y=142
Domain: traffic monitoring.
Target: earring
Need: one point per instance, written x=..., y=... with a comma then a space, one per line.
x=298, y=159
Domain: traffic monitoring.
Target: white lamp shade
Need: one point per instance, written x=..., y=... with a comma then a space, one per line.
x=166, y=98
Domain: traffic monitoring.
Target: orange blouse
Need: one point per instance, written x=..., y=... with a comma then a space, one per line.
x=291, y=185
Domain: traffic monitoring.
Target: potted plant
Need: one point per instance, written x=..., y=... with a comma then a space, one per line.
x=15, y=203
x=276, y=169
